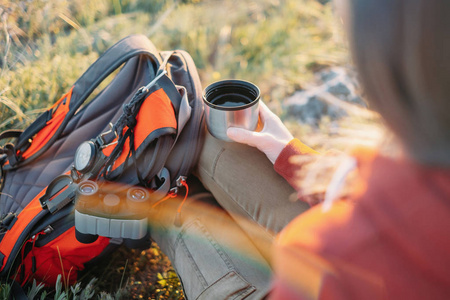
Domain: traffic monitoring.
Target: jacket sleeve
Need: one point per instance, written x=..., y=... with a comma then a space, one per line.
x=315, y=257
x=285, y=167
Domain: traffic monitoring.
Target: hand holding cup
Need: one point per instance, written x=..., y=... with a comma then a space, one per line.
x=233, y=109
x=271, y=140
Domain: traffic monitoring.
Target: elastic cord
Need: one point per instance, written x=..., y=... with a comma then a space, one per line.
x=170, y=195
x=177, y=221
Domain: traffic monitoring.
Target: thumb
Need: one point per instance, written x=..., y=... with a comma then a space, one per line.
x=241, y=135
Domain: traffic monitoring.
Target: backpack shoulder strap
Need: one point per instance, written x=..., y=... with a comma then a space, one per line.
x=46, y=129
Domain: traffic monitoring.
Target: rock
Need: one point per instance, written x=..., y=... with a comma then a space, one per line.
x=307, y=106
x=359, y=101
x=328, y=75
x=339, y=90
x=310, y=110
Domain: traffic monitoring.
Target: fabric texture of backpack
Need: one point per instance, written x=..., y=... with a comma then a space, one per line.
x=149, y=122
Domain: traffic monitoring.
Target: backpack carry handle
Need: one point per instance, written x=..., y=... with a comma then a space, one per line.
x=110, y=61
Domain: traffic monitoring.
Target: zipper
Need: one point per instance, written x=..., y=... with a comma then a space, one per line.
x=55, y=230
x=33, y=239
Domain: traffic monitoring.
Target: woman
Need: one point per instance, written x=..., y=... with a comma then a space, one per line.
x=392, y=239
x=393, y=243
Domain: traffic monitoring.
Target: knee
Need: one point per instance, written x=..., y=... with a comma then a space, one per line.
x=207, y=270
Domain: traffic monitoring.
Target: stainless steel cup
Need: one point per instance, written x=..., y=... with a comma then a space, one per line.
x=231, y=103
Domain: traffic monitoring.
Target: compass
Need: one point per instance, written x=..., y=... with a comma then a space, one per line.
x=85, y=156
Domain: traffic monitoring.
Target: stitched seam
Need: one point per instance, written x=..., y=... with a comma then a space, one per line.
x=245, y=292
x=181, y=234
x=216, y=161
x=194, y=265
x=28, y=184
x=242, y=293
x=212, y=284
x=218, y=249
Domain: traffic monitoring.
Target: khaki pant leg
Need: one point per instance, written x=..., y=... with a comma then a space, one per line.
x=245, y=184
x=213, y=257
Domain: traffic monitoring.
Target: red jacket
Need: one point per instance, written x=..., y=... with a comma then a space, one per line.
x=392, y=243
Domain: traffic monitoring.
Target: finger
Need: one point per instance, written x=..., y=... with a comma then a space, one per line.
x=242, y=136
x=266, y=114
x=263, y=111
x=267, y=117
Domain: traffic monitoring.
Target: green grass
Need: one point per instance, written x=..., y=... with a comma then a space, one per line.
x=276, y=44
x=46, y=45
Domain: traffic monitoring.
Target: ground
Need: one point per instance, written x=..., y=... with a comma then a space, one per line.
x=281, y=45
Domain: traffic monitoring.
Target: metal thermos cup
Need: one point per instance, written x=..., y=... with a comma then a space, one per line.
x=231, y=103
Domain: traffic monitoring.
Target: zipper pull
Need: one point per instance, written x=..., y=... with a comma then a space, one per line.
x=48, y=229
x=181, y=180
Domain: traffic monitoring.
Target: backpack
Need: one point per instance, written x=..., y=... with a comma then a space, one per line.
x=148, y=127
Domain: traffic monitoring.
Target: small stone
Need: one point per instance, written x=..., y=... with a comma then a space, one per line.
x=339, y=90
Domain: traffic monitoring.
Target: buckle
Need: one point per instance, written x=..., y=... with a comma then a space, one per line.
x=11, y=154
x=60, y=192
x=102, y=137
x=7, y=220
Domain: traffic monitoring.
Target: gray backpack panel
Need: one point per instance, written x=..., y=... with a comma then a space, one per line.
x=84, y=121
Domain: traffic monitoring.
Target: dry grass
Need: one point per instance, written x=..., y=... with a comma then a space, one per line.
x=46, y=45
